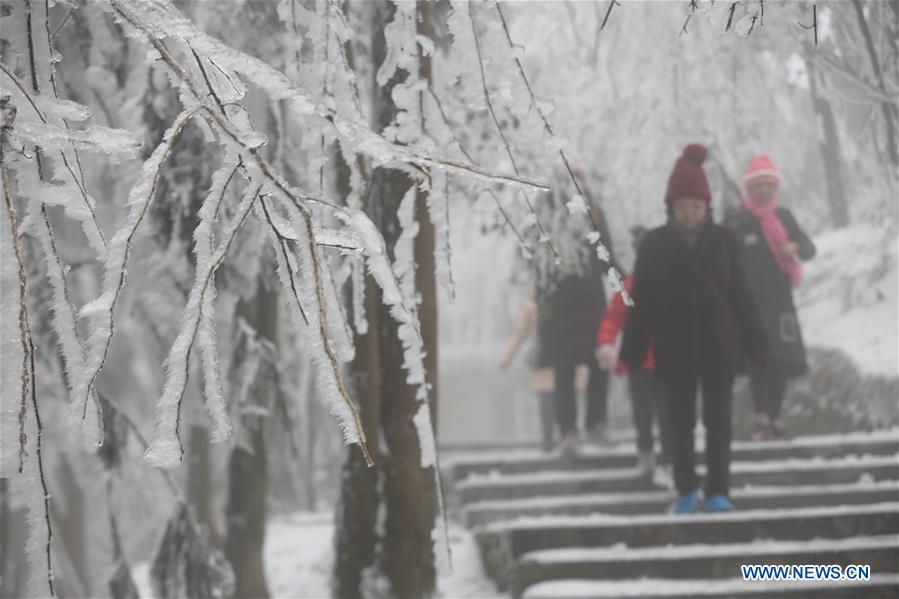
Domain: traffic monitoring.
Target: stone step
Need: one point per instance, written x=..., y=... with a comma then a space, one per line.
x=654, y=502
x=624, y=456
x=503, y=543
x=718, y=561
x=878, y=586
x=553, y=483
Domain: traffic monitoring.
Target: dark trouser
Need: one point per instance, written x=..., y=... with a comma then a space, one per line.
x=768, y=388
x=648, y=399
x=597, y=385
x=547, y=419
x=717, y=389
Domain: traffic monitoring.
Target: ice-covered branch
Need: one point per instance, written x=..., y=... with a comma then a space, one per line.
x=115, y=265
x=28, y=377
x=602, y=252
x=158, y=19
x=166, y=448
x=477, y=45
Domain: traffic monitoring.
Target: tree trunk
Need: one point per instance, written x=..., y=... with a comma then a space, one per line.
x=829, y=146
x=199, y=482
x=247, y=470
x=407, y=556
x=357, y=511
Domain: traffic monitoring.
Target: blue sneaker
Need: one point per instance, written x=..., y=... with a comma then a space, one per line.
x=687, y=504
x=718, y=503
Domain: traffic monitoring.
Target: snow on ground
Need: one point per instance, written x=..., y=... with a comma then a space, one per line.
x=299, y=556
x=848, y=298
x=597, y=519
x=299, y=551
x=621, y=553
x=590, y=589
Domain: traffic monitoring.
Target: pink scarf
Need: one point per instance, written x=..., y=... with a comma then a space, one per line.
x=776, y=236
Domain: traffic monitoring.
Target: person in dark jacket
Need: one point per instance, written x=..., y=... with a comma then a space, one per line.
x=772, y=247
x=569, y=310
x=693, y=302
x=648, y=401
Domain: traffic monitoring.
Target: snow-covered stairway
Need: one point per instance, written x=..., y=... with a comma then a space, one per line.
x=592, y=527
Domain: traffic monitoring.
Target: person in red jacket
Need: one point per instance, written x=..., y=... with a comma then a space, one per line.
x=648, y=401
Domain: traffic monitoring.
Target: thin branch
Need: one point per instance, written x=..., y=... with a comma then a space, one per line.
x=605, y=20
x=814, y=24
x=138, y=217
x=65, y=20
x=218, y=100
x=469, y=157
x=322, y=320
x=43, y=118
x=282, y=244
x=612, y=273
x=730, y=16
x=477, y=44
x=28, y=379
x=282, y=84
x=217, y=259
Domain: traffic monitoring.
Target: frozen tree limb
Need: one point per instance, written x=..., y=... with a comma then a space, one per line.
x=502, y=135
x=602, y=251
x=28, y=378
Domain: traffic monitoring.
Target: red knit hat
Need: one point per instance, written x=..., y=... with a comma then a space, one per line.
x=688, y=180
x=761, y=169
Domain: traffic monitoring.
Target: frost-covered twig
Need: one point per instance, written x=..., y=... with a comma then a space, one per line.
x=468, y=156
x=814, y=24
x=168, y=420
x=730, y=16
x=605, y=20
x=157, y=18
x=285, y=253
x=502, y=135
x=322, y=321
x=116, y=261
x=28, y=378
x=602, y=251
x=72, y=136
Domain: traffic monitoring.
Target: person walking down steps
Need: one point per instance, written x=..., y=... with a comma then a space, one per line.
x=542, y=375
x=648, y=401
x=772, y=246
x=692, y=298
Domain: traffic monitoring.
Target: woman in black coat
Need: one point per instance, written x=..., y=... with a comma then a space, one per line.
x=772, y=246
x=693, y=300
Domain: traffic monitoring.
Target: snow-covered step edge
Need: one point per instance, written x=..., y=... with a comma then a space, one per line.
x=659, y=588
x=612, y=520
x=711, y=550
x=463, y=458
x=738, y=493
x=495, y=479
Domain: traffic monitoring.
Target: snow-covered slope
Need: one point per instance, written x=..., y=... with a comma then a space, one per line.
x=848, y=298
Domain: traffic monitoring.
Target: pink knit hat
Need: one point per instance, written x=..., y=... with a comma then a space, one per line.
x=761, y=169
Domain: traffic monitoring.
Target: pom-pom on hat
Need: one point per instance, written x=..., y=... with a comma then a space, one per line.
x=688, y=180
x=761, y=169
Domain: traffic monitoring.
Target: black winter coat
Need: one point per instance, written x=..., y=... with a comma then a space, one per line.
x=568, y=316
x=695, y=303
x=772, y=287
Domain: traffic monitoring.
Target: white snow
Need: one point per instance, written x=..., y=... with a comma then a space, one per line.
x=549, y=477
x=610, y=520
x=848, y=297
x=618, y=553
x=592, y=589
x=600, y=499
x=299, y=556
